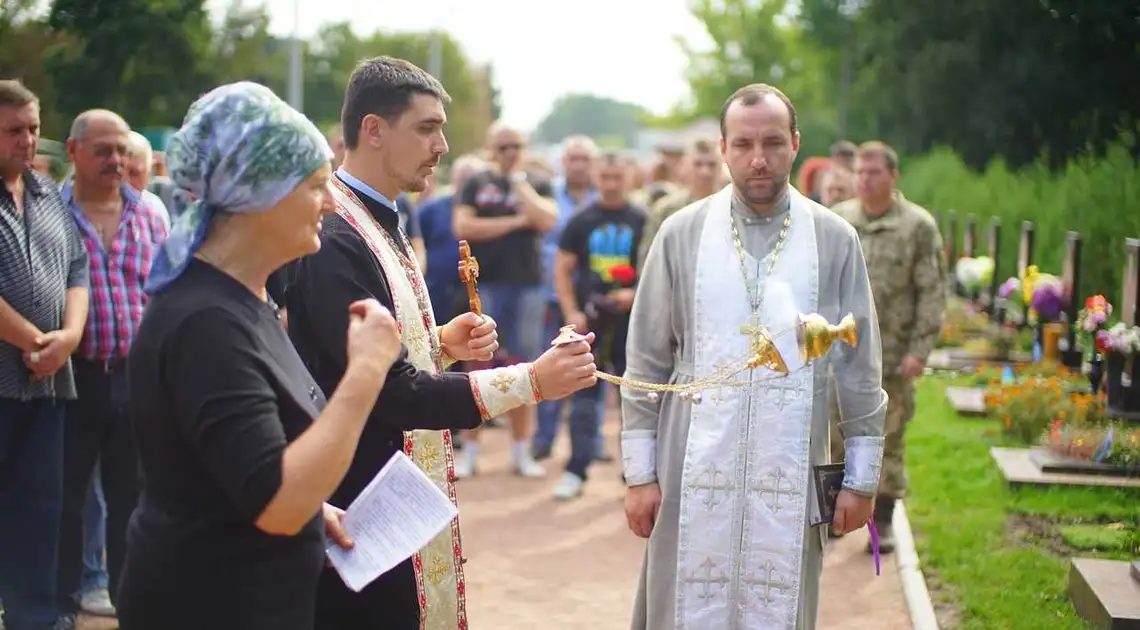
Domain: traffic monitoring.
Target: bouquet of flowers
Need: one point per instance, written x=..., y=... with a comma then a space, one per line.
x=1011, y=299
x=1044, y=293
x=1121, y=338
x=1091, y=322
x=974, y=273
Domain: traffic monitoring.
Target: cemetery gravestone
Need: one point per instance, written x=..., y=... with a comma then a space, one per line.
x=1128, y=303
x=1123, y=392
x=1071, y=355
x=993, y=247
x=1025, y=258
x=968, y=236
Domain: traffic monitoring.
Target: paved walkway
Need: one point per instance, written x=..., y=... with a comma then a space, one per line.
x=537, y=563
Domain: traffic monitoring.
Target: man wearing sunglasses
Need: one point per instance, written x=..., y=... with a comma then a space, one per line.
x=504, y=214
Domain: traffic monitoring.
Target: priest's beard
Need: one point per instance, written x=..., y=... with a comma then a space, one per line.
x=762, y=195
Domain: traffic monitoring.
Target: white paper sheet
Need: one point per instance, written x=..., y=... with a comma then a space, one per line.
x=399, y=512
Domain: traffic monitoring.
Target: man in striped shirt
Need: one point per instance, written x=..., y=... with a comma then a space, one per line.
x=121, y=235
x=43, y=304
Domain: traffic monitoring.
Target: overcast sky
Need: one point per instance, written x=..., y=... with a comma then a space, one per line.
x=540, y=50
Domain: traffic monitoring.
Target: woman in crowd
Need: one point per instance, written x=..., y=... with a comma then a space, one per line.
x=238, y=447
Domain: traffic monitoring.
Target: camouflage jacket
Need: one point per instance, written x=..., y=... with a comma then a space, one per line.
x=903, y=249
x=663, y=209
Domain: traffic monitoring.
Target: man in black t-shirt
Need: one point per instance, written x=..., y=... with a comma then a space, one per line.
x=503, y=216
x=595, y=271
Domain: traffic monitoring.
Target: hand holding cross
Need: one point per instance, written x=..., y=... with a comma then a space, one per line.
x=469, y=275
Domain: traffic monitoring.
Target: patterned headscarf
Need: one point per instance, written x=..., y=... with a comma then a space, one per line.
x=240, y=149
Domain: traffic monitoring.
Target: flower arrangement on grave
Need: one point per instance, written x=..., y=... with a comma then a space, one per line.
x=1121, y=344
x=1121, y=339
x=990, y=376
x=1082, y=429
x=974, y=273
x=1045, y=294
x=961, y=321
x=1090, y=329
x=1035, y=297
x=1027, y=408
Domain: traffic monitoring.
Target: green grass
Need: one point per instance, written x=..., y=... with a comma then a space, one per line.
x=995, y=575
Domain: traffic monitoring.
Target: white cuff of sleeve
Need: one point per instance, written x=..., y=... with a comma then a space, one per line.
x=499, y=390
x=639, y=456
x=864, y=457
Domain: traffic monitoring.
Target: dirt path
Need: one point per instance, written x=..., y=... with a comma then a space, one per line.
x=537, y=563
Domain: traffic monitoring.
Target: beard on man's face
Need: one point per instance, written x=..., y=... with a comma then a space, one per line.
x=754, y=192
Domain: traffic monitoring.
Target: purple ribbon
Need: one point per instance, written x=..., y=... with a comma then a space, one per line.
x=875, y=544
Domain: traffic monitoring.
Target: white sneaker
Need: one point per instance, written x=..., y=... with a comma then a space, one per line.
x=97, y=602
x=464, y=464
x=525, y=466
x=569, y=487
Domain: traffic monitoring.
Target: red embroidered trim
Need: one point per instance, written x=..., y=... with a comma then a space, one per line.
x=534, y=382
x=483, y=413
x=427, y=317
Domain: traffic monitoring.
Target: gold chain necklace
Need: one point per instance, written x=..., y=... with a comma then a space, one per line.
x=755, y=298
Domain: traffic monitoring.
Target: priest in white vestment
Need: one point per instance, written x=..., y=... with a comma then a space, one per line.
x=720, y=483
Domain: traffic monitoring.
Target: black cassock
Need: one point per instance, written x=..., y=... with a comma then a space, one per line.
x=316, y=290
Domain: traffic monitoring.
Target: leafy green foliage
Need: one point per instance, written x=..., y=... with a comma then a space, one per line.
x=1014, y=80
x=595, y=116
x=1095, y=196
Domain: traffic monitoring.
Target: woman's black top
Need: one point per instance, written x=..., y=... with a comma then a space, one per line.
x=217, y=392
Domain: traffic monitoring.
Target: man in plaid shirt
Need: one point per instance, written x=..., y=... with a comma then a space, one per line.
x=121, y=235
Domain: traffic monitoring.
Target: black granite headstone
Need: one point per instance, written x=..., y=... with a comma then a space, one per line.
x=1025, y=258
x=1072, y=299
x=993, y=250
x=969, y=236
x=1122, y=372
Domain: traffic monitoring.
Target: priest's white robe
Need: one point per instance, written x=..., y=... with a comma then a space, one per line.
x=732, y=547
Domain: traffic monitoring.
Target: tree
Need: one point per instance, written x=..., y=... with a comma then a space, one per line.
x=23, y=38
x=755, y=42
x=591, y=115
x=141, y=58
x=336, y=50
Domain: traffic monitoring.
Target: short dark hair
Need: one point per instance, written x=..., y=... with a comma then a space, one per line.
x=14, y=94
x=752, y=94
x=843, y=148
x=875, y=148
x=383, y=86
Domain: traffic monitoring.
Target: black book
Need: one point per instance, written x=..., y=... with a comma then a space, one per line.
x=828, y=480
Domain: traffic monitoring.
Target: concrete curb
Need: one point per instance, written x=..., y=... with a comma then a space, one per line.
x=913, y=583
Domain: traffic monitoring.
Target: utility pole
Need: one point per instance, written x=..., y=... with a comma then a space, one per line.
x=295, y=54
x=435, y=55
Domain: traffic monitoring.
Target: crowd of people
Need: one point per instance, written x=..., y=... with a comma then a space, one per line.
x=273, y=292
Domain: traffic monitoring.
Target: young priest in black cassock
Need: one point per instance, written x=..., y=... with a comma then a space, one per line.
x=393, y=128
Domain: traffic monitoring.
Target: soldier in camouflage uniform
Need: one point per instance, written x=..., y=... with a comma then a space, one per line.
x=700, y=170
x=903, y=249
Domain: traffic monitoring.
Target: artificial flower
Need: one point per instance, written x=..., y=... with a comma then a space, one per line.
x=1047, y=297
x=974, y=273
x=623, y=274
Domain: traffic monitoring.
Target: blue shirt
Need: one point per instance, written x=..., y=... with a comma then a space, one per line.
x=442, y=250
x=567, y=207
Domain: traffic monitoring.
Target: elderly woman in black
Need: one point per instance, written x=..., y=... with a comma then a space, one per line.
x=238, y=446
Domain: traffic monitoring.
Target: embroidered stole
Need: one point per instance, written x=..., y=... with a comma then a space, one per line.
x=745, y=478
x=439, y=565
